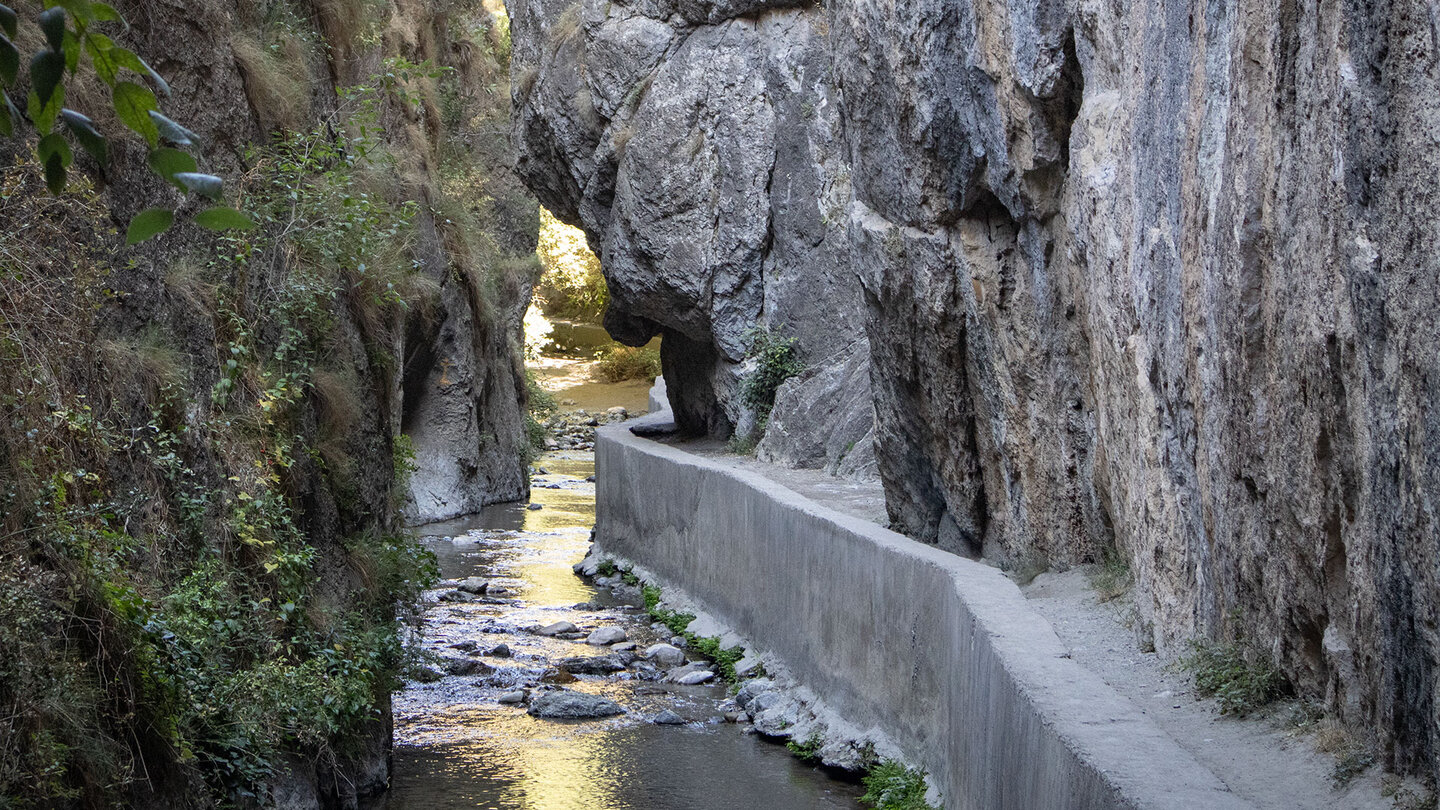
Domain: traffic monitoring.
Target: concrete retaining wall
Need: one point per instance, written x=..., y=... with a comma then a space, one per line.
x=941, y=653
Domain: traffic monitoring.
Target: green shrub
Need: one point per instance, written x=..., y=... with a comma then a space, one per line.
x=808, y=751
x=1225, y=672
x=621, y=363
x=892, y=786
x=776, y=362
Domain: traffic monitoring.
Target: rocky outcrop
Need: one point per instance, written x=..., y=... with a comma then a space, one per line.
x=701, y=151
x=1136, y=279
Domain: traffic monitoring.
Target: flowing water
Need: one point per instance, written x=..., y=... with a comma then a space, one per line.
x=456, y=746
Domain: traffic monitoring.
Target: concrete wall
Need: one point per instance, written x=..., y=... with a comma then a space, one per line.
x=941, y=653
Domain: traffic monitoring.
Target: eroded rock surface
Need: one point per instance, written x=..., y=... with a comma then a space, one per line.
x=1152, y=280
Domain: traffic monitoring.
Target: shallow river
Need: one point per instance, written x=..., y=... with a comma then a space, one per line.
x=456, y=746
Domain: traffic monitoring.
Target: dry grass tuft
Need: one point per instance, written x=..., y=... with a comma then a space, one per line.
x=276, y=80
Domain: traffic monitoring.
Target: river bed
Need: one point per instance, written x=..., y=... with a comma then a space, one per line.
x=457, y=746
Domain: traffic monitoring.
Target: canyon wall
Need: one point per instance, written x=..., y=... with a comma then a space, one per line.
x=1135, y=281
x=206, y=439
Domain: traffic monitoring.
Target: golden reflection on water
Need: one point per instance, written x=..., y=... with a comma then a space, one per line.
x=458, y=748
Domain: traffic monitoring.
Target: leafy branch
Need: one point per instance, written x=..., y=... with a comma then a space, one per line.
x=71, y=35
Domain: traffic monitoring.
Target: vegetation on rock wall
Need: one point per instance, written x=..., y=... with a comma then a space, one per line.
x=202, y=580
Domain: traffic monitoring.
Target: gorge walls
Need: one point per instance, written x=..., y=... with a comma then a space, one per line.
x=206, y=437
x=1097, y=278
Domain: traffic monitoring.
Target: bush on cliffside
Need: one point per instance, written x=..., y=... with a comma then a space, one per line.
x=775, y=361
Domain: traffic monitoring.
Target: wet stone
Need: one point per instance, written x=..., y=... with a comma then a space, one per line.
x=500, y=651
x=556, y=629
x=598, y=665
x=606, y=635
x=668, y=718
x=563, y=704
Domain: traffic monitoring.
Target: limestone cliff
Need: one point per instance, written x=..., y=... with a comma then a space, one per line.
x=1134, y=279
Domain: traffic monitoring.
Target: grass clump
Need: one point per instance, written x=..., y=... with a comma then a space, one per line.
x=807, y=751
x=1225, y=672
x=892, y=786
x=621, y=363
x=1111, y=579
x=709, y=646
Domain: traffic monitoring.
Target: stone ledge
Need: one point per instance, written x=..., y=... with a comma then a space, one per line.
x=941, y=654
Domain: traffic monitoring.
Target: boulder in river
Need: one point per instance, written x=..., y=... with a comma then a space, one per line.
x=475, y=585
x=596, y=665
x=510, y=698
x=606, y=635
x=466, y=666
x=564, y=704
x=668, y=718
x=500, y=651
x=666, y=655
x=692, y=678
x=556, y=629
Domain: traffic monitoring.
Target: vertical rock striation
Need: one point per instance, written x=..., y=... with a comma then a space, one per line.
x=1135, y=279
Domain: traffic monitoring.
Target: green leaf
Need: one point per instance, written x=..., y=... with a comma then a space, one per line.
x=9, y=60
x=46, y=70
x=43, y=115
x=221, y=218
x=55, y=174
x=149, y=223
x=207, y=185
x=85, y=132
x=100, y=48
x=8, y=21
x=9, y=117
x=71, y=52
x=52, y=146
x=133, y=103
x=173, y=132
x=52, y=22
x=104, y=12
x=125, y=58
x=79, y=9
x=169, y=162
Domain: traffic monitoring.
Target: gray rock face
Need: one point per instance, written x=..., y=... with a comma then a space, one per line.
x=564, y=704
x=1153, y=280
x=702, y=154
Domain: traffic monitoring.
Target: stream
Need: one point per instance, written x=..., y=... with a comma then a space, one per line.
x=457, y=746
